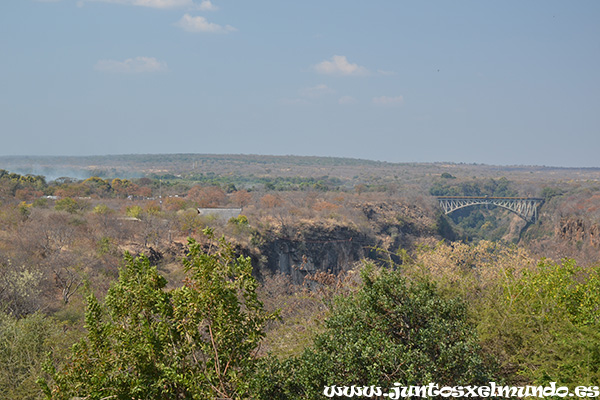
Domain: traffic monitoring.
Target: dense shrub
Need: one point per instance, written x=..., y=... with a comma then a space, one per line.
x=391, y=330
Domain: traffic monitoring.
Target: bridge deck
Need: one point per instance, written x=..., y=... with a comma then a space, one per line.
x=488, y=198
x=525, y=207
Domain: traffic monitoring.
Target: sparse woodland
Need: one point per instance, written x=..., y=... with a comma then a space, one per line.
x=114, y=285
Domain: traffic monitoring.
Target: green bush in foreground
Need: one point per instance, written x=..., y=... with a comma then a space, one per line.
x=547, y=324
x=24, y=343
x=540, y=319
x=193, y=342
x=391, y=330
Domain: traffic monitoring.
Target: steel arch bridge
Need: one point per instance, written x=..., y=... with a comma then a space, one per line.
x=524, y=207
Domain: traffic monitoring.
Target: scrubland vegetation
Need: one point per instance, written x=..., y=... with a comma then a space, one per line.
x=336, y=272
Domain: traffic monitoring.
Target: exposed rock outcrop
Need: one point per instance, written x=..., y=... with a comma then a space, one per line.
x=315, y=248
x=325, y=246
x=576, y=229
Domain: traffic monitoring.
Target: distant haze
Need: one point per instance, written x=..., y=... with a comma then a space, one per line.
x=251, y=168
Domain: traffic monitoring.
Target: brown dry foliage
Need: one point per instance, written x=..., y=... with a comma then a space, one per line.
x=303, y=308
x=271, y=201
x=207, y=196
x=174, y=204
x=476, y=273
x=241, y=198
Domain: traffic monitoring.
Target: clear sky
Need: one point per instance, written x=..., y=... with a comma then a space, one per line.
x=495, y=82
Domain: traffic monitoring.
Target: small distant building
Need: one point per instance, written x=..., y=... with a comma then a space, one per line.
x=129, y=219
x=224, y=213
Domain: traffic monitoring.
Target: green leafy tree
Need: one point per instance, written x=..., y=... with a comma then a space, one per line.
x=24, y=343
x=222, y=317
x=547, y=324
x=102, y=209
x=67, y=204
x=24, y=210
x=134, y=211
x=539, y=319
x=240, y=220
x=193, y=342
x=123, y=187
x=240, y=224
x=391, y=330
x=97, y=186
x=126, y=351
x=10, y=183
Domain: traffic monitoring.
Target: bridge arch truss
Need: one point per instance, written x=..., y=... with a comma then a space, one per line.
x=524, y=207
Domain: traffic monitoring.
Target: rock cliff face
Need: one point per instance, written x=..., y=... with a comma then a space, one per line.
x=314, y=249
x=397, y=224
x=326, y=246
x=574, y=236
x=576, y=229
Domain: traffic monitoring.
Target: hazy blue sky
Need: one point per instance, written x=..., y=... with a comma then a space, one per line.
x=497, y=82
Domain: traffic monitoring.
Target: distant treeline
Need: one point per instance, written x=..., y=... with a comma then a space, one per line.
x=277, y=183
x=490, y=187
